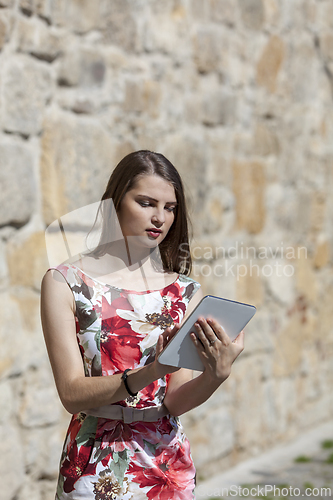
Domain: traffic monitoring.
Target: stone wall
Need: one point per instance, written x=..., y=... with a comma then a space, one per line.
x=238, y=94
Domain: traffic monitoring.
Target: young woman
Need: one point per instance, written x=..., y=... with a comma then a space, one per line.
x=106, y=318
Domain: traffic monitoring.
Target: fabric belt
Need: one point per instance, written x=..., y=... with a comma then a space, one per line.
x=129, y=414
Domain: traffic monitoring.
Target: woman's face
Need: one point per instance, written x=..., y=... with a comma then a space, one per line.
x=147, y=211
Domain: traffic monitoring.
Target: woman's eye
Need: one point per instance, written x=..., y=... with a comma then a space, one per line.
x=170, y=209
x=143, y=204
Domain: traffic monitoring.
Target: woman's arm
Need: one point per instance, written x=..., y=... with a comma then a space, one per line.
x=183, y=393
x=77, y=392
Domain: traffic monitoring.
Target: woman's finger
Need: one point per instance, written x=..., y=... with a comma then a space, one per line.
x=202, y=334
x=219, y=331
x=239, y=340
x=208, y=331
x=159, y=344
x=199, y=346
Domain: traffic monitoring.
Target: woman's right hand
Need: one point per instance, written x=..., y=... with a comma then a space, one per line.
x=216, y=350
x=163, y=340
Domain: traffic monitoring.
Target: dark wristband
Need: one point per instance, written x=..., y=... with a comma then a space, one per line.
x=124, y=378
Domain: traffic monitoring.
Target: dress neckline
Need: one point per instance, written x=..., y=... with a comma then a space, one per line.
x=123, y=289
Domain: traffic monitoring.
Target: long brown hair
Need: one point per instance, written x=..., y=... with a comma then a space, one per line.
x=174, y=249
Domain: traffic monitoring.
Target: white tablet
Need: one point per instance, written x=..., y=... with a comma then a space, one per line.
x=231, y=315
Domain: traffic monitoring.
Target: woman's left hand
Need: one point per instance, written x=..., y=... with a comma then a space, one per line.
x=215, y=348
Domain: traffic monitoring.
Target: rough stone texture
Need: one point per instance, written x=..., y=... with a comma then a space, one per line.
x=27, y=86
x=238, y=95
x=249, y=185
x=27, y=261
x=252, y=12
x=37, y=408
x=11, y=461
x=6, y=23
x=17, y=182
x=6, y=3
x=35, y=38
x=76, y=162
x=270, y=63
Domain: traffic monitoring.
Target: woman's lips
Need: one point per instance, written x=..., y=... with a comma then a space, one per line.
x=154, y=234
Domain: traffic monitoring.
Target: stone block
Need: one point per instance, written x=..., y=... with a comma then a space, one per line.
x=163, y=36
x=207, y=51
x=188, y=155
x=287, y=358
x=27, y=7
x=6, y=25
x=218, y=108
x=134, y=102
x=17, y=182
x=30, y=489
x=35, y=38
x=279, y=276
x=326, y=45
x=220, y=144
x=143, y=96
x=270, y=63
x=83, y=67
x=325, y=313
x=223, y=11
x=252, y=13
x=37, y=404
x=306, y=281
x=286, y=402
x=76, y=161
x=200, y=10
x=7, y=397
x=318, y=211
x=42, y=448
x=207, y=447
x=27, y=86
x=322, y=254
x=70, y=64
x=27, y=261
x=79, y=17
x=272, y=10
x=266, y=141
x=11, y=461
x=152, y=97
x=22, y=316
x=303, y=70
x=249, y=188
x=250, y=287
x=248, y=401
x=120, y=25
x=48, y=489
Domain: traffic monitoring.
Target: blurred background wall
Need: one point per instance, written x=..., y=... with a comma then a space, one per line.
x=238, y=95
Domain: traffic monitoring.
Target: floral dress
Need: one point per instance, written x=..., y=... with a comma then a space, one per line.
x=106, y=459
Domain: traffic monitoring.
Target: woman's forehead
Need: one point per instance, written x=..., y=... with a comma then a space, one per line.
x=154, y=186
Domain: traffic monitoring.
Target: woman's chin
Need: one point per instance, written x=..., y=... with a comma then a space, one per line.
x=143, y=241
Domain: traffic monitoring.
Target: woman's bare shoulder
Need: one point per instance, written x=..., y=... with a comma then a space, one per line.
x=55, y=290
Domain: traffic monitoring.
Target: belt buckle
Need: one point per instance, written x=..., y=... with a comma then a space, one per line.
x=127, y=413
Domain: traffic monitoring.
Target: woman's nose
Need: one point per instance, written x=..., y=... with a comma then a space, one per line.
x=158, y=217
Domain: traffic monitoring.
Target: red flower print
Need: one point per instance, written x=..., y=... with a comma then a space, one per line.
x=171, y=476
x=110, y=311
x=120, y=352
x=119, y=345
x=174, y=302
x=119, y=434
x=76, y=464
